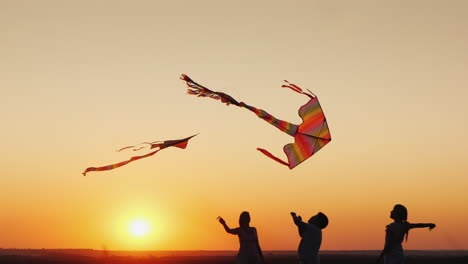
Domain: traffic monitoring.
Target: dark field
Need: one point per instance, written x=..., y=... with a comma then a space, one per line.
x=211, y=257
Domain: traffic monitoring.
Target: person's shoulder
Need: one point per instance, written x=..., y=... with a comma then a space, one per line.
x=397, y=226
x=390, y=226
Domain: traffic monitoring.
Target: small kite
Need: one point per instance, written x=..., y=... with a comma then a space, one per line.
x=179, y=143
x=309, y=137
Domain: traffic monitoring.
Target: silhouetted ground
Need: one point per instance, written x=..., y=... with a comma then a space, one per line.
x=338, y=257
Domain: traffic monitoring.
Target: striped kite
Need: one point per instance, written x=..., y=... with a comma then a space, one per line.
x=179, y=143
x=309, y=137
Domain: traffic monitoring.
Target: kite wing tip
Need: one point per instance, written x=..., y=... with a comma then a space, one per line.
x=188, y=138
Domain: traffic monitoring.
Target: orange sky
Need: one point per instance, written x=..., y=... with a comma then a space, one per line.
x=80, y=79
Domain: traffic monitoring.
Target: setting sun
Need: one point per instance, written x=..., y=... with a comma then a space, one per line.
x=139, y=228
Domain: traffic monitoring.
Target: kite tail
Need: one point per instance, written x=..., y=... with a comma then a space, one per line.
x=268, y=154
x=179, y=143
x=136, y=147
x=298, y=89
x=201, y=91
x=282, y=125
x=120, y=164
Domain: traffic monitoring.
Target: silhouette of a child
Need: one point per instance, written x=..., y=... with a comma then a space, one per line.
x=396, y=231
x=311, y=237
x=249, y=250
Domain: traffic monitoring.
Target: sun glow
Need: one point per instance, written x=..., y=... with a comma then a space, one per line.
x=139, y=228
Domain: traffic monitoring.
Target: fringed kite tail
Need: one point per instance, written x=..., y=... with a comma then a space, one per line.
x=268, y=154
x=120, y=164
x=201, y=91
x=286, y=127
x=179, y=143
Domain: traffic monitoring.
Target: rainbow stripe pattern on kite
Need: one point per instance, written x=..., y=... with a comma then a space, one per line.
x=309, y=137
x=178, y=143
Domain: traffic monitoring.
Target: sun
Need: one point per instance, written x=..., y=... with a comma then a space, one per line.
x=139, y=228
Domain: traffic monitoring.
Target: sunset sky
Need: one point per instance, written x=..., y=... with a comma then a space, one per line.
x=80, y=79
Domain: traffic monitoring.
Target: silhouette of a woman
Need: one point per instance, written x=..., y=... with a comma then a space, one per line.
x=249, y=250
x=395, y=233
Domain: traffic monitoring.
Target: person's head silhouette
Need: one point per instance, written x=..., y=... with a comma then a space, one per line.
x=399, y=213
x=320, y=220
x=244, y=219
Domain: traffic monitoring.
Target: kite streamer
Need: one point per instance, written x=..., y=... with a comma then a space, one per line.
x=309, y=137
x=179, y=143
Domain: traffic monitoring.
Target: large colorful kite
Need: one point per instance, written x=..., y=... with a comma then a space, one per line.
x=309, y=137
x=178, y=143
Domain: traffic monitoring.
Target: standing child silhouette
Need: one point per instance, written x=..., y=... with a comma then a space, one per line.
x=249, y=250
x=311, y=237
x=395, y=233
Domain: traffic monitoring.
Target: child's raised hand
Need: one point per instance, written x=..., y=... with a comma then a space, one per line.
x=221, y=220
x=296, y=217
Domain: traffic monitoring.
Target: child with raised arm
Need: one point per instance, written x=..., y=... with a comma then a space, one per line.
x=396, y=231
x=249, y=250
x=311, y=237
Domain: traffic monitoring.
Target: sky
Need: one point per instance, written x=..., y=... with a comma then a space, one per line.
x=80, y=79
